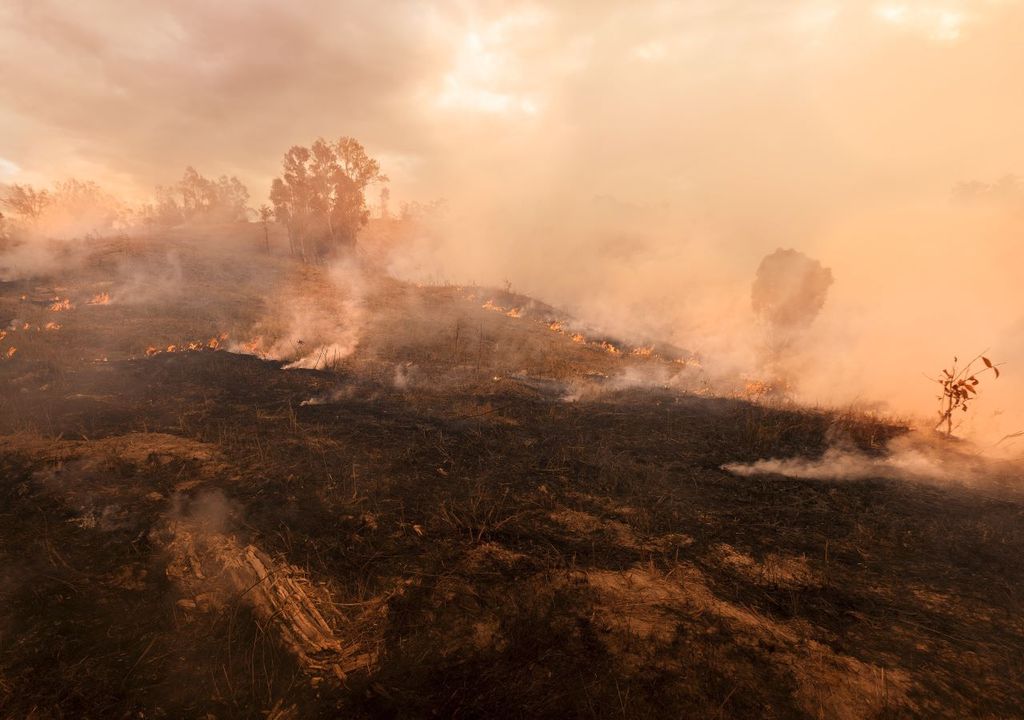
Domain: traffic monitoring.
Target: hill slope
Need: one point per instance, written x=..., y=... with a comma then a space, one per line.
x=455, y=503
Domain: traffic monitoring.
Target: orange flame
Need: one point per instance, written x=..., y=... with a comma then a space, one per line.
x=609, y=348
x=514, y=313
x=52, y=326
x=100, y=299
x=59, y=305
x=10, y=352
x=213, y=343
x=643, y=351
x=757, y=387
x=578, y=338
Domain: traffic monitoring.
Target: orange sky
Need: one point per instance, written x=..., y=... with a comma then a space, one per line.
x=671, y=100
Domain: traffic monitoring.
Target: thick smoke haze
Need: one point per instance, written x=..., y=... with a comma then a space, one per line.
x=633, y=163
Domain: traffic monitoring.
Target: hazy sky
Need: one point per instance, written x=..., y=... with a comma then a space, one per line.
x=633, y=161
x=668, y=101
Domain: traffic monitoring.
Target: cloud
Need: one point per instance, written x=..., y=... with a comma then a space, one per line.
x=8, y=169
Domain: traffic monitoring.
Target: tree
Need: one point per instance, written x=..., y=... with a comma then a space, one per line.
x=266, y=215
x=26, y=201
x=78, y=206
x=220, y=200
x=199, y=199
x=72, y=208
x=320, y=196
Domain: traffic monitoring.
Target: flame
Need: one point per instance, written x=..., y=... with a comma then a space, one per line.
x=52, y=326
x=10, y=352
x=755, y=388
x=254, y=346
x=514, y=313
x=100, y=299
x=609, y=348
x=59, y=305
x=578, y=338
x=26, y=326
x=644, y=351
x=555, y=326
x=489, y=305
x=3, y=334
x=213, y=343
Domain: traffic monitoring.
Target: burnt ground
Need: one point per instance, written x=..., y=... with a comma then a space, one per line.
x=466, y=541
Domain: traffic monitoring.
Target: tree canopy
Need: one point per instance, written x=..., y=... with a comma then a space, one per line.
x=320, y=196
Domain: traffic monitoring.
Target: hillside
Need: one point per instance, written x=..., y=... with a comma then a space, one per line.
x=234, y=486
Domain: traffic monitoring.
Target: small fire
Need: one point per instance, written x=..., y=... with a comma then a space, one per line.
x=578, y=338
x=514, y=313
x=609, y=348
x=26, y=326
x=213, y=343
x=555, y=326
x=52, y=326
x=100, y=299
x=59, y=305
x=489, y=305
x=11, y=351
x=254, y=346
x=643, y=351
x=755, y=388
x=3, y=334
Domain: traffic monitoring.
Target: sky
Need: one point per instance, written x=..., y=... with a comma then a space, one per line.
x=632, y=161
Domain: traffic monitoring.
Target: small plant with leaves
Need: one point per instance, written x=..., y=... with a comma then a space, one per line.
x=959, y=387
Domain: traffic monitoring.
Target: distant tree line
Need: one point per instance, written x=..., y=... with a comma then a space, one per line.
x=319, y=199
x=197, y=199
x=72, y=207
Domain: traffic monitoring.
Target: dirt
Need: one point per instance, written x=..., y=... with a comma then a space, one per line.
x=447, y=532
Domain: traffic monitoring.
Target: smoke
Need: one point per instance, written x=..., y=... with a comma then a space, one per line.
x=315, y=320
x=22, y=257
x=633, y=165
x=209, y=511
x=916, y=457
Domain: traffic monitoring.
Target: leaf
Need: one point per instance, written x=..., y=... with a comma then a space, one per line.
x=996, y=369
x=988, y=363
